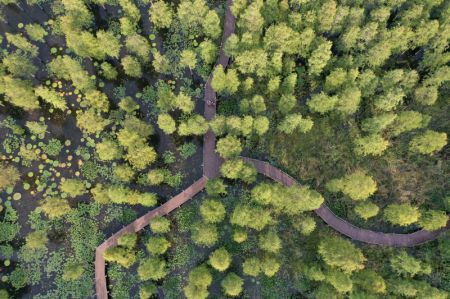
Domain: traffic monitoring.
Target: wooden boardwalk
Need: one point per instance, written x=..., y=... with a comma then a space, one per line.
x=346, y=228
x=137, y=225
x=211, y=167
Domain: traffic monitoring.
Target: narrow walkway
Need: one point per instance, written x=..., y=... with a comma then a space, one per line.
x=346, y=228
x=211, y=167
x=137, y=225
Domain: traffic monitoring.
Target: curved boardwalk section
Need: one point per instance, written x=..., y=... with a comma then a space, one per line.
x=135, y=226
x=346, y=228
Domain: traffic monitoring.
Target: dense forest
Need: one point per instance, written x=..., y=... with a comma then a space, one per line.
x=105, y=117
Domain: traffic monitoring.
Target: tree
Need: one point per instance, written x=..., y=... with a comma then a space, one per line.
x=342, y=254
x=428, y=142
x=407, y=121
x=287, y=103
x=261, y=125
x=188, y=59
x=160, y=63
x=270, y=242
x=372, y=144
x=20, y=42
x=91, y=122
x=147, y=290
x=216, y=187
x=195, y=125
x=212, y=211
x=211, y=25
x=304, y=224
x=229, y=147
x=73, y=187
x=237, y=169
x=19, y=93
x=251, y=18
x=131, y=66
x=152, y=268
x=270, y=266
x=401, y=214
x=281, y=37
x=72, y=271
x=36, y=240
x=370, y=281
x=255, y=105
x=157, y=245
x=128, y=105
x=220, y=259
x=251, y=216
x=204, y=234
x=357, y=185
x=156, y=176
x=192, y=291
x=108, y=71
x=294, y=122
x=322, y=103
x=19, y=65
x=366, y=210
x=433, y=220
x=141, y=155
x=319, y=57
x=108, y=150
x=232, y=285
x=191, y=13
x=121, y=255
x=35, y=32
x=225, y=82
x=160, y=14
x=138, y=45
x=9, y=175
x=166, y=123
x=200, y=276
x=349, y=100
x=160, y=225
x=52, y=97
x=128, y=240
x=239, y=235
x=208, y=51
x=378, y=123
x=405, y=265
x=341, y=281
x=251, y=266
x=55, y=207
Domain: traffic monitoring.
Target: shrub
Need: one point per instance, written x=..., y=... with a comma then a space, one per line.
x=342, y=254
x=55, y=207
x=157, y=245
x=9, y=175
x=220, y=259
x=204, y=234
x=123, y=256
x=152, y=268
x=73, y=271
x=433, y=220
x=36, y=240
x=160, y=225
x=401, y=214
x=73, y=187
x=212, y=211
x=232, y=285
x=127, y=240
x=108, y=150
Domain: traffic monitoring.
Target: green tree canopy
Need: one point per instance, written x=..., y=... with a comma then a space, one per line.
x=342, y=254
x=357, y=185
x=401, y=214
x=220, y=259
